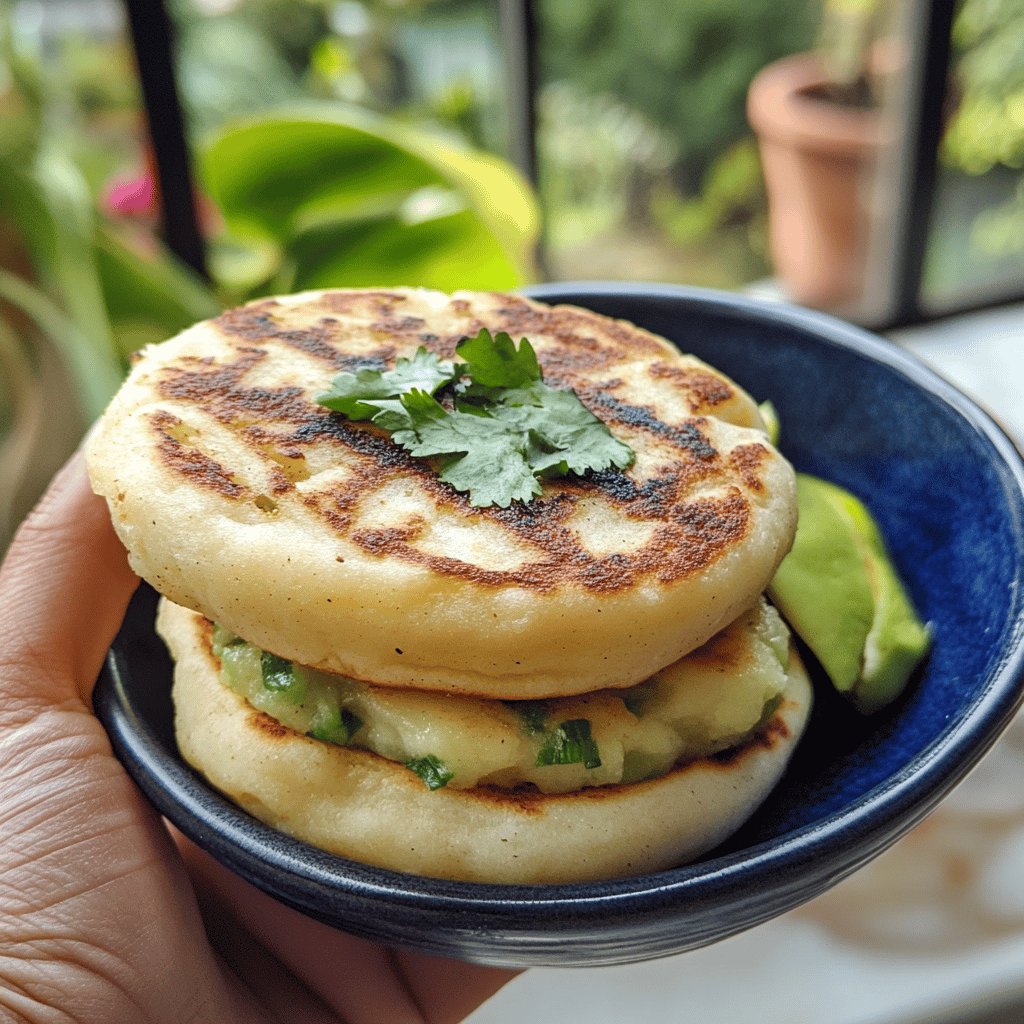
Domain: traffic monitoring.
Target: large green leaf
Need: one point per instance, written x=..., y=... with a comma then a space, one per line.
x=97, y=374
x=51, y=205
x=149, y=295
x=322, y=182
x=268, y=174
x=452, y=251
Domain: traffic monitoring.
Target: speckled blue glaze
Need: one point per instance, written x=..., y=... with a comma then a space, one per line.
x=948, y=491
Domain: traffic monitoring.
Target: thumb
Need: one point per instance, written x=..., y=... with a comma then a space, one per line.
x=64, y=588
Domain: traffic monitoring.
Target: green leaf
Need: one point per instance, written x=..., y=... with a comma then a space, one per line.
x=497, y=363
x=326, y=183
x=334, y=724
x=433, y=771
x=447, y=252
x=363, y=394
x=487, y=456
x=507, y=428
x=149, y=295
x=571, y=434
x=96, y=373
x=570, y=743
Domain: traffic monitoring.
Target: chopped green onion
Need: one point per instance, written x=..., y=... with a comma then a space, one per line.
x=335, y=725
x=278, y=674
x=432, y=770
x=532, y=713
x=570, y=743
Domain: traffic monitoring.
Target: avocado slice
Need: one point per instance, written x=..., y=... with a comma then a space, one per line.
x=770, y=418
x=841, y=594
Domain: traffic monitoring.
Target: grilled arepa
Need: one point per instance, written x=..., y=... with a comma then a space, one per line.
x=322, y=541
x=663, y=793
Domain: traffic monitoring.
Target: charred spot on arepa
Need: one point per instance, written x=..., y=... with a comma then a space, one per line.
x=749, y=460
x=772, y=734
x=706, y=389
x=268, y=727
x=189, y=462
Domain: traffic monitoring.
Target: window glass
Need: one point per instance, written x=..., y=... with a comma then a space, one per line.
x=976, y=243
x=648, y=167
x=435, y=63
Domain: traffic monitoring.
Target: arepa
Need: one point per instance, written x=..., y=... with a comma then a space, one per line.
x=318, y=539
x=359, y=804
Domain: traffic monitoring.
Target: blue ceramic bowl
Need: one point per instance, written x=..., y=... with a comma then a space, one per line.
x=948, y=491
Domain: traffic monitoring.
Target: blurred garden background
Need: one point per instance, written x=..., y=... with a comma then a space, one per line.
x=371, y=142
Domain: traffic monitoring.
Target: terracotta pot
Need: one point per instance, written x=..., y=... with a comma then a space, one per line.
x=818, y=159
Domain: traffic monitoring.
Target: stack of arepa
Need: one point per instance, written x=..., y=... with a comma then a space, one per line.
x=581, y=686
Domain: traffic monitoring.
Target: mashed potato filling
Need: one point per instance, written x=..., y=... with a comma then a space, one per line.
x=706, y=702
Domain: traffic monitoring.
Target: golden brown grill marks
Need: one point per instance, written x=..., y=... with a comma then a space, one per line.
x=283, y=424
x=195, y=466
x=748, y=459
x=269, y=728
x=705, y=389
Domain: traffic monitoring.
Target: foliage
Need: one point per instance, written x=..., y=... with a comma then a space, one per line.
x=987, y=130
x=599, y=155
x=687, y=66
x=847, y=35
x=91, y=291
x=731, y=194
x=336, y=197
x=988, y=126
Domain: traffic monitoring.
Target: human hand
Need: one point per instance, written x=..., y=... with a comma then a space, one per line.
x=102, y=918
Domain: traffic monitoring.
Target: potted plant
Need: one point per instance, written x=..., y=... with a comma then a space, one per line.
x=820, y=132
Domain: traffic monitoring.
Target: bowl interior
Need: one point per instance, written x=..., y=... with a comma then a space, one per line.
x=946, y=488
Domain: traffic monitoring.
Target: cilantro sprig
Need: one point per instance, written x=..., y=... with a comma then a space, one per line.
x=502, y=429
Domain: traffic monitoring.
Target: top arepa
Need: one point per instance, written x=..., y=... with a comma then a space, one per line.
x=321, y=540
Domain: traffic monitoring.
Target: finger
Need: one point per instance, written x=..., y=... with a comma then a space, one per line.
x=356, y=978
x=278, y=993
x=64, y=588
x=449, y=990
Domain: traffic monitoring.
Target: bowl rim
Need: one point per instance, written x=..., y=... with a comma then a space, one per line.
x=801, y=863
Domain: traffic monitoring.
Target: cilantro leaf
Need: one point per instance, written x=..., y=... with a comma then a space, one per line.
x=497, y=363
x=506, y=429
x=484, y=456
x=363, y=394
x=573, y=438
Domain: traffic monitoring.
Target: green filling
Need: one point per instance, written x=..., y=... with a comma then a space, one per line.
x=640, y=765
x=223, y=638
x=433, y=771
x=570, y=743
x=558, y=745
x=279, y=677
x=334, y=725
x=532, y=713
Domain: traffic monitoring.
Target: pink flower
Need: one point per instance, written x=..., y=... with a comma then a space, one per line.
x=131, y=197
